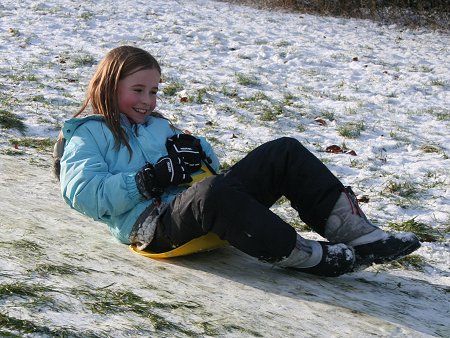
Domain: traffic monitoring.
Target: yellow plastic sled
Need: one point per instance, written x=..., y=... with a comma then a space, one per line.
x=207, y=242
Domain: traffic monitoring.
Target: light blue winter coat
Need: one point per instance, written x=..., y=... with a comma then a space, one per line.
x=99, y=180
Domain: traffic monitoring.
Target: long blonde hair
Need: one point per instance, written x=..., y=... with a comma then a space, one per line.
x=102, y=91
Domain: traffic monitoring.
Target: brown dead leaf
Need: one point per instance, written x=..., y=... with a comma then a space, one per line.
x=320, y=121
x=335, y=149
x=363, y=199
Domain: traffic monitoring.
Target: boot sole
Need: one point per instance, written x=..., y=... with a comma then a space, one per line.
x=341, y=264
x=365, y=259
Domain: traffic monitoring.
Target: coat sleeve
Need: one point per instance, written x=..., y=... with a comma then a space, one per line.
x=209, y=151
x=86, y=183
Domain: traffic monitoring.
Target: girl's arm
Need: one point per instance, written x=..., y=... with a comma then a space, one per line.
x=86, y=183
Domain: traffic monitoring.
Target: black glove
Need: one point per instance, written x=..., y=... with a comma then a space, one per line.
x=152, y=180
x=188, y=148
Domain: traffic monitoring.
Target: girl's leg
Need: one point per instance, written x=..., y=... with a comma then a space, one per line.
x=222, y=205
x=236, y=205
x=285, y=167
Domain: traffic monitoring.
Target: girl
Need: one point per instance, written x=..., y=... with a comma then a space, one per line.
x=125, y=165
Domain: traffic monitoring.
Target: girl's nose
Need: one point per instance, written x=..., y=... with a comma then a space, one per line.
x=147, y=99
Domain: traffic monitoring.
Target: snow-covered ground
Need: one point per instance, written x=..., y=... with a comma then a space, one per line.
x=241, y=77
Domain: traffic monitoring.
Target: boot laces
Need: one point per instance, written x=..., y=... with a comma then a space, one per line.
x=353, y=201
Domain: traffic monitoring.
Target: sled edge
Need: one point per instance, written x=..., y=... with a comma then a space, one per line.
x=207, y=242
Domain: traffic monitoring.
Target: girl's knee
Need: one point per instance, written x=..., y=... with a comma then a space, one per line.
x=288, y=144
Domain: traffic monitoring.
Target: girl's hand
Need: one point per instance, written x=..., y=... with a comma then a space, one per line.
x=170, y=171
x=188, y=149
x=152, y=180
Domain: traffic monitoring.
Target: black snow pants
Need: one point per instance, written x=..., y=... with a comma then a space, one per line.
x=235, y=205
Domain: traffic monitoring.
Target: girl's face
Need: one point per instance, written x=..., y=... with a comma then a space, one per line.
x=137, y=94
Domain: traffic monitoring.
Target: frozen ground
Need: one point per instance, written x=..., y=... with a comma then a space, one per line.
x=241, y=77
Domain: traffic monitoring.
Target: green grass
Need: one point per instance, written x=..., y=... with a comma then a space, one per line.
x=9, y=120
x=20, y=326
x=269, y=114
x=301, y=128
x=24, y=250
x=247, y=80
x=41, y=144
x=327, y=114
x=15, y=327
x=200, y=95
x=30, y=296
x=171, y=88
x=298, y=225
x=425, y=232
x=86, y=15
x=20, y=289
x=416, y=262
x=105, y=302
x=76, y=59
x=229, y=92
x=429, y=148
x=288, y=99
x=244, y=57
x=59, y=269
x=37, y=98
x=25, y=246
x=283, y=43
x=22, y=77
x=257, y=97
x=403, y=189
x=439, y=82
x=84, y=59
x=12, y=152
x=351, y=129
x=441, y=114
x=434, y=179
x=399, y=134
x=421, y=69
x=242, y=331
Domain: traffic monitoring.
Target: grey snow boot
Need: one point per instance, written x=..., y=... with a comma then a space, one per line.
x=348, y=224
x=319, y=258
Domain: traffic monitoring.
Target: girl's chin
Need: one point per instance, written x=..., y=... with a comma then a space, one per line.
x=137, y=120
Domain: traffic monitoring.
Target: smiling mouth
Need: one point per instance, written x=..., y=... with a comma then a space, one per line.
x=140, y=110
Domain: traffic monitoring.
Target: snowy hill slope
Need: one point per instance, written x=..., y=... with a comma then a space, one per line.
x=63, y=275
